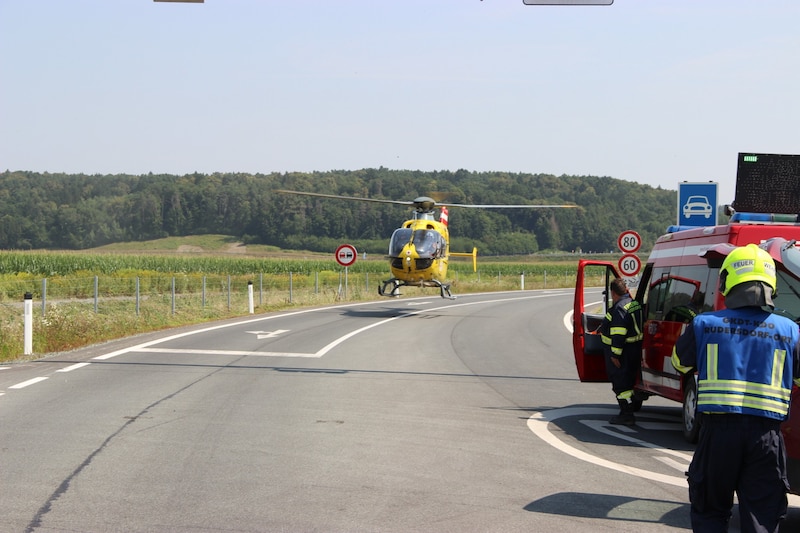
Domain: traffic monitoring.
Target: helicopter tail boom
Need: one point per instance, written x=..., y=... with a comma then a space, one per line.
x=473, y=255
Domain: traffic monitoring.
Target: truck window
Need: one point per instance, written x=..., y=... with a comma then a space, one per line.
x=656, y=296
x=678, y=294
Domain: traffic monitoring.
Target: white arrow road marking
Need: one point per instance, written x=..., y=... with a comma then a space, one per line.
x=680, y=467
x=606, y=428
x=267, y=334
x=539, y=425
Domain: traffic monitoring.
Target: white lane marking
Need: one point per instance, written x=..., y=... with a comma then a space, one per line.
x=568, y=321
x=340, y=340
x=228, y=352
x=76, y=366
x=539, y=425
x=27, y=383
x=4, y=367
x=144, y=347
x=139, y=347
x=539, y=422
x=568, y=317
x=325, y=349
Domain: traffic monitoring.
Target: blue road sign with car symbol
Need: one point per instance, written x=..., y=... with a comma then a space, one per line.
x=697, y=204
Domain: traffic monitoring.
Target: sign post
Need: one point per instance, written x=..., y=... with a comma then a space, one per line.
x=346, y=255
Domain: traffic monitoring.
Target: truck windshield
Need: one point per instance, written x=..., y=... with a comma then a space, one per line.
x=787, y=302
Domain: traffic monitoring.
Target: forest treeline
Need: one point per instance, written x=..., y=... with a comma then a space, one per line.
x=77, y=211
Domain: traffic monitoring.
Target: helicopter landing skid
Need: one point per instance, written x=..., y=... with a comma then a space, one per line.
x=445, y=291
x=392, y=286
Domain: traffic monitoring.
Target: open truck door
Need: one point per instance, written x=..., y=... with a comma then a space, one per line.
x=592, y=301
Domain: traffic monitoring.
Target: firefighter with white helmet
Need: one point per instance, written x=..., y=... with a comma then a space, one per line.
x=746, y=358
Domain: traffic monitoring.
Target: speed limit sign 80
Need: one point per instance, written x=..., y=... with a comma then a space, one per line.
x=629, y=241
x=629, y=264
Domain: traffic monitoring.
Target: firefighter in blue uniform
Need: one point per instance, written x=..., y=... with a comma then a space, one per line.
x=621, y=333
x=746, y=358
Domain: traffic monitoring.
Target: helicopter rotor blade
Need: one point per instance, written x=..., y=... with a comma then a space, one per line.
x=506, y=206
x=425, y=203
x=321, y=195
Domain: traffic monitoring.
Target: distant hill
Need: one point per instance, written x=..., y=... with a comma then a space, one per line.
x=78, y=211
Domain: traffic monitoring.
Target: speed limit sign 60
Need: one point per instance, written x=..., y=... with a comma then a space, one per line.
x=629, y=264
x=629, y=242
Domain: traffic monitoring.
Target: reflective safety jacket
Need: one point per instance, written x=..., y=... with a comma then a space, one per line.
x=746, y=359
x=622, y=328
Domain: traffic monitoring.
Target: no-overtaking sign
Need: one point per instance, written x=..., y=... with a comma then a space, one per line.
x=346, y=255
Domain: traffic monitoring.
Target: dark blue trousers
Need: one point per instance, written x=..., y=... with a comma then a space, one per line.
x=742, y=454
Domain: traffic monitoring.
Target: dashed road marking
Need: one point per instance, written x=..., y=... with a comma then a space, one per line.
x=76, y=366
x=27, y=383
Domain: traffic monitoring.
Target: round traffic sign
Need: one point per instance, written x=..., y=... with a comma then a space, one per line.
x=346, y=255
x=629, y=241
x=629, y=264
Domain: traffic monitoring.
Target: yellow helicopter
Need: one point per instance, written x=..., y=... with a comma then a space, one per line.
x=419, y=250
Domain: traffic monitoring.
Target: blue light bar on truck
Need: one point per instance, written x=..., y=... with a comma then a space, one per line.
x=676, y=229
x=744, y=218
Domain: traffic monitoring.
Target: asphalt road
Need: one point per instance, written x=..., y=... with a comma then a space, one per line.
x=402, y=415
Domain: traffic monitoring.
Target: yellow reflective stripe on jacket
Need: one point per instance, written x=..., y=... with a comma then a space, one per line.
x=744, y=387
x=630, y=308
x=676, y=362
x=623, y=331
x=712, y=359
x=740, y=400
x=778, y=360
x=770, y=397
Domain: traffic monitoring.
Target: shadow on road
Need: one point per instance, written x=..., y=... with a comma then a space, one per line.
x=609, y=507
x=630, y=509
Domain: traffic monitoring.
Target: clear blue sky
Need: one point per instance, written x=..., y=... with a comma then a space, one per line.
x=649, y=91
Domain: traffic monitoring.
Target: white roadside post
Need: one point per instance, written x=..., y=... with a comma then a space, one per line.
x=28, y=341
x=250, y=307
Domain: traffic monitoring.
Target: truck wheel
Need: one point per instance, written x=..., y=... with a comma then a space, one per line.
x=691, y=423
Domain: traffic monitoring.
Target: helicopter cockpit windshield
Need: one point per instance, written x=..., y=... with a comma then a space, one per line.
x=400, y=238
x=428, y=243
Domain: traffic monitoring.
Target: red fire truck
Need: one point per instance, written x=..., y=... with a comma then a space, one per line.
x=682, y=272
